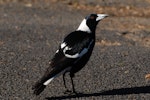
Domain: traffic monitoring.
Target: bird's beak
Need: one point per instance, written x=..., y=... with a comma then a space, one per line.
x=101, y=16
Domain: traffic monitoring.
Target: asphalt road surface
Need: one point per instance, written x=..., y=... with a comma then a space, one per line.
x=31, y=32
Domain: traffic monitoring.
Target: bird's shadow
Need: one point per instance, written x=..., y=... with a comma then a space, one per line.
x=121, y=91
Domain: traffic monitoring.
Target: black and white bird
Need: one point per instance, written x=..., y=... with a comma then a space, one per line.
x=73, y=53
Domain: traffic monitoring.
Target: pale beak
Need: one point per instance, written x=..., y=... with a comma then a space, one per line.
x=101, y=16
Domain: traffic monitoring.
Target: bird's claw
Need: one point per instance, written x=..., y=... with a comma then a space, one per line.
x=72, y=92
x=67, y=92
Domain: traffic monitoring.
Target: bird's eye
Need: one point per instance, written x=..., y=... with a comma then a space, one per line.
x=92, y=17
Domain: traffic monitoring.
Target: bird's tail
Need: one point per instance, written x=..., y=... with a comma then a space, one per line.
x=41, y=84
x=49, y=75
x=38, y=88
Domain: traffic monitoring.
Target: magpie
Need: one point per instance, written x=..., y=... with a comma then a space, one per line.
x=73, y=53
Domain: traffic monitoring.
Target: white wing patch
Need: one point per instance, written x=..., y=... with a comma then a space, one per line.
x=63, y=45
x=77, y=55
x=57, y=51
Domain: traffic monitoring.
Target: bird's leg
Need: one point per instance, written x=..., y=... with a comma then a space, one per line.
x=73, y=89
x=73, y=86
x=65, y=84
x=64, y=80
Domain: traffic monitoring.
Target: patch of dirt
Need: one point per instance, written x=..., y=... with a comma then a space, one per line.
x=119, y=11
x=142, y=37
x=107, y=43
x=124, y=17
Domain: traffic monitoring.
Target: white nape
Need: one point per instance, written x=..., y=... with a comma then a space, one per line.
x=83, y=27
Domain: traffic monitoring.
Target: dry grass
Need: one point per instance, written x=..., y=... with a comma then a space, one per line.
x=119, y=11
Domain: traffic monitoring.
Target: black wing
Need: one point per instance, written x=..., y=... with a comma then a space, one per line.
x=77, y=41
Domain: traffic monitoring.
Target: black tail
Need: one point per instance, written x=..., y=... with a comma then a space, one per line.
x=38, y=88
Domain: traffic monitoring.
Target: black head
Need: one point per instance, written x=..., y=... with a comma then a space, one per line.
x=93, y=19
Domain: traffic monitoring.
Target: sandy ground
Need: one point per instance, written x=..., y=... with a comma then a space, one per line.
x=119, y=68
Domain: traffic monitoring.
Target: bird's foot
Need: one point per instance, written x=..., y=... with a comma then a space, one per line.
x=72, y=93
x=77, y=93
x=68, y=92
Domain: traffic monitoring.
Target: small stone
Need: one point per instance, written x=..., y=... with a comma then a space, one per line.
x=147, y=76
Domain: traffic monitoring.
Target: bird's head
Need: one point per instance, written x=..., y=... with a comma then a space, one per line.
x=90, y=22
